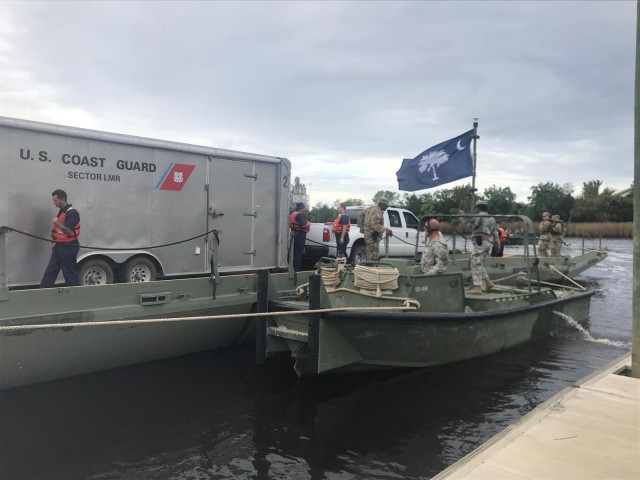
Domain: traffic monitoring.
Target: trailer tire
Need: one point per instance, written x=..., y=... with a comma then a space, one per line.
x=358, y=254
x=95, y=272
x=138, y=270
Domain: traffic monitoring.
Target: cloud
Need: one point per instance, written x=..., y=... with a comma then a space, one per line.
x=345, y=90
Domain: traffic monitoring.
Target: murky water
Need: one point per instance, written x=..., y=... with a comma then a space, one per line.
x=216, y=415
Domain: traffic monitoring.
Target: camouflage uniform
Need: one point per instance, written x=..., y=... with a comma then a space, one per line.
x=435, y=256
x=557, y=233
x=484, y=228
x=374, y=229
x=545, y=228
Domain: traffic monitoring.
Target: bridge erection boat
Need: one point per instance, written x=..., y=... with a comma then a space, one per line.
x=388, y=315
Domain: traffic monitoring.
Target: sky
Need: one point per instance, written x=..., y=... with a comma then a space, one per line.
x=344, y=90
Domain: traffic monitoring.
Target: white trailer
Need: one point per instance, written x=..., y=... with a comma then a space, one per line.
x=133, y=193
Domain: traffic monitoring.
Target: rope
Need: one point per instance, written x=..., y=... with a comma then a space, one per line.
x=182, y=319
x=374, y=278
x=215, y=232
x=563, y=275
x=330, y=276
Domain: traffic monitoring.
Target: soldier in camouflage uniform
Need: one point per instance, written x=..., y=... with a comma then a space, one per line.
x=374, y=229
x=483, y=235
x=545, y=228
x=557, y=233
x=435, y=256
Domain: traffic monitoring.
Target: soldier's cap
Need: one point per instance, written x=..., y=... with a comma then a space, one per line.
x=545, y=214
x=556, y=217
x=384, y=201
x=480, y=202
x=300, y=206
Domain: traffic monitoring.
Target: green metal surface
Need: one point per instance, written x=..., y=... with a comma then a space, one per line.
x=32, y=355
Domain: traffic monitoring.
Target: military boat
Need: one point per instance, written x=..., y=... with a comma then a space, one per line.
x=390, y=315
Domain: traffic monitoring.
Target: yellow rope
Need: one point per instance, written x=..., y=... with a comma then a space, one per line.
x=205, y=317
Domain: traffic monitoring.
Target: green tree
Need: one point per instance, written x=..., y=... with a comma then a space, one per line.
x=591, y=189
x=321, y=213
x=552, y=198
x=450, y=200
x=394, y=198
x=501, y=200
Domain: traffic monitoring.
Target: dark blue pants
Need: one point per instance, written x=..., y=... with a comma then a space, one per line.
x=298, y=250
x=342, y=248
x=63, y=257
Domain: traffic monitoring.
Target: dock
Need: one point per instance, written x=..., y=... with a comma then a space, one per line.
x=590, y=430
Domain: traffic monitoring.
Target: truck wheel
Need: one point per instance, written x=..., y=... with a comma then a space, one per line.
x=358, y=254
x=139, y=270
x=95, y=272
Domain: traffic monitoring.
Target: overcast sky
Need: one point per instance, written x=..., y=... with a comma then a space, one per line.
x=345, y=90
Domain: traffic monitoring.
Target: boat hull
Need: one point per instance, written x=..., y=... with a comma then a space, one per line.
x=37, y=353
x=458, y=327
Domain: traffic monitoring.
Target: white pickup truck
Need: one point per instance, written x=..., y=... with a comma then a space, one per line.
x=321, y=241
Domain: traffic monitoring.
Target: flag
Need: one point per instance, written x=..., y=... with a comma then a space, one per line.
x=175, y=177
x=440, y=164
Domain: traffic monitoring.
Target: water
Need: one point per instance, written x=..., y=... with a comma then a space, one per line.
x=216, y=415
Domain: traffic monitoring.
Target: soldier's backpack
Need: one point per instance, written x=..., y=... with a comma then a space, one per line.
x=361, y=215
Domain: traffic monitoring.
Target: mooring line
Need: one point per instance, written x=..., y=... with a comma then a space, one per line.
x=205, y=317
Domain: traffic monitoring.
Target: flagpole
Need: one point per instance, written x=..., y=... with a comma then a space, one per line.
x=475, y=158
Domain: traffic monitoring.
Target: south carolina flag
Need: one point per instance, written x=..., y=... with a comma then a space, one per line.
x=442, y=163
x=175, y=177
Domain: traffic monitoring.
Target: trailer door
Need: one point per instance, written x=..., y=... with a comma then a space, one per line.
x=231, y=211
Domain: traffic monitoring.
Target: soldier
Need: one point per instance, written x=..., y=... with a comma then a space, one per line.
x=300, y=226
x=483, y=235
x=558, y=231
x=374, y=229
x=435, y=256
x=545, y=228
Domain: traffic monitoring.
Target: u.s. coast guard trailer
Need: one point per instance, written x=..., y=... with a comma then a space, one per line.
x=135, y=193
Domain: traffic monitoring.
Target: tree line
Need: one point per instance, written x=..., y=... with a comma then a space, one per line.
x=592, y=205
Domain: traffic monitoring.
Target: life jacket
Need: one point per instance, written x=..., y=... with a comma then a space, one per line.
x=295, y=226
x=337, y=227
x=61, y=237
x=503, y=235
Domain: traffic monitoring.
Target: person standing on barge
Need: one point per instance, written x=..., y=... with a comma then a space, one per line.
x=483, y=235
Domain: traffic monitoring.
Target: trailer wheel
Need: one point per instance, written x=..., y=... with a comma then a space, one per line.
x=358, y=254
x=139, y=270
x=95, y=272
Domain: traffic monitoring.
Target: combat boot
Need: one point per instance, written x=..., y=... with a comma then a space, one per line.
x=477, y=290
x=489, y=285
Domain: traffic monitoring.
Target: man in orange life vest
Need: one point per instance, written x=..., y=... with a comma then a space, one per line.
x=300, y=226
x=497, y=249
x=66, y=228
x=341, y=227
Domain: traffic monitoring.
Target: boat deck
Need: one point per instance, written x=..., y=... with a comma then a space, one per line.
x=590, y=430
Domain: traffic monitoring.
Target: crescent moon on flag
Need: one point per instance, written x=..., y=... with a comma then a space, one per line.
x=460, y=147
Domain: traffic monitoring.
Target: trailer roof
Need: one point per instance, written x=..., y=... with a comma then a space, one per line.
x=133, y=140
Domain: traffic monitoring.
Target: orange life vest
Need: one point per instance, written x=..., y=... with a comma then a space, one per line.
x=61, y=237
x=295, y=226
x=503, y=235
x=337, y=227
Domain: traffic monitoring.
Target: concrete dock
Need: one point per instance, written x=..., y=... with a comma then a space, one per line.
x=590, y=430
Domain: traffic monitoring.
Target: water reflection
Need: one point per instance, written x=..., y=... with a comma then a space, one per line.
x=217, y=415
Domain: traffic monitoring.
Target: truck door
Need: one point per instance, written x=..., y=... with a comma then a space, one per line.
x=393, y=220
x=231, y=211
x=412, y=230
